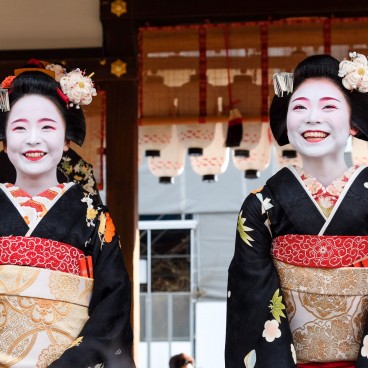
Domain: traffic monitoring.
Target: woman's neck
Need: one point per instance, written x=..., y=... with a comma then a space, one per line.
x=35, y=185
x=324, y=170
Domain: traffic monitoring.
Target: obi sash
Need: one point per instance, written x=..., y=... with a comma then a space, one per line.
x=40, y=252
x=326, y=300
x=41, y=314
x=43, y=300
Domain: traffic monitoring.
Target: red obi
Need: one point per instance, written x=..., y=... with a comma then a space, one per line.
x=321, y=250
x=39, y=252
x=328, y=365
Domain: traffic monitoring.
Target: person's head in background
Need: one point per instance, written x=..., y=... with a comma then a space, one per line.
x=181, y=361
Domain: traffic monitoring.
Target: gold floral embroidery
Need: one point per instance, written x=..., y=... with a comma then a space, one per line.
x=49, y=355
x=63, y=286
x=44, y=311
x=330, y=306
x=91, y=211
x=76, y=342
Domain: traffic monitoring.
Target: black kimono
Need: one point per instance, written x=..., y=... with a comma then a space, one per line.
x=75, y=223
x=259, y=313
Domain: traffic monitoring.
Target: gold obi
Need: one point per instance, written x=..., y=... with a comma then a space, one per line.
x=41, y=314
x=327, y=310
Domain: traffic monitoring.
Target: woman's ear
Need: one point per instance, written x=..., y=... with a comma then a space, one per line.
x=354, y=131
x=66, y=145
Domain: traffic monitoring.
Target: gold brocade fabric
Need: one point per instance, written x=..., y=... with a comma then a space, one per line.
x=327, y=309
x=41, y=314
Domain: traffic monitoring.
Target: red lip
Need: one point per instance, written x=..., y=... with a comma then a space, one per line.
x=314, y=136
x=34, y=155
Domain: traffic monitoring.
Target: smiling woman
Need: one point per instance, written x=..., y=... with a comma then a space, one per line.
x=58, y=245
x=297, y=286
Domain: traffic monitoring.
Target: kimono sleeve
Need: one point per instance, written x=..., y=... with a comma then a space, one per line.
x=106, y=338
x=257, y=330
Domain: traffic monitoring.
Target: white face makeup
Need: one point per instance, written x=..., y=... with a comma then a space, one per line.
x=318, y=119
x=35, y=138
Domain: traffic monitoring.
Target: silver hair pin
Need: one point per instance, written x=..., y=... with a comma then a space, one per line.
x=4, y=100
x=283, y=82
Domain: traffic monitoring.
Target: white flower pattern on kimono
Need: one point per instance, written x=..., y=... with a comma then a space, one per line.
x=271, y=330
x=266, y=205
x=243, y=230
x=364, y=350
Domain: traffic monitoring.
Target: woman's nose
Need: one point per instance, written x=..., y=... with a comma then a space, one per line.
x=314, y=116
x=33, y=137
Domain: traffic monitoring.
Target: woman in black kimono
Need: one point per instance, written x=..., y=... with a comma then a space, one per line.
x=297, y=287
x=64, y=289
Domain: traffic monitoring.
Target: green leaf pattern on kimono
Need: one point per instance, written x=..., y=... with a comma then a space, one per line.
x=243, y=230
x=277, y=306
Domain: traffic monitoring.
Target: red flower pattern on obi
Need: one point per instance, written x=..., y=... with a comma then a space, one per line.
x=39, y=252
x=320, y=250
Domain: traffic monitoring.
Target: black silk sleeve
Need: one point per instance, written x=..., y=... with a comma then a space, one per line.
x=107, y=335
x=257, y=330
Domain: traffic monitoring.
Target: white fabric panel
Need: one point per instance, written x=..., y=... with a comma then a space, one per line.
x=216, y=238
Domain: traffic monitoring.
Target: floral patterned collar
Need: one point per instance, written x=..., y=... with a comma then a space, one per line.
x=326, y=197
x=32, y=209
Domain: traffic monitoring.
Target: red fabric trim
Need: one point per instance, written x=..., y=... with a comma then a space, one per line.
x=39, y=252
x=62, y=95
x=320, y=251
x=328, y=365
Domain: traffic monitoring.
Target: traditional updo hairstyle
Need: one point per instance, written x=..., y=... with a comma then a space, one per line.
x=319, y=66
x=35, y=82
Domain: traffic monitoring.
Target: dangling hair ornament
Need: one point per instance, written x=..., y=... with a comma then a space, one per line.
x=283, y=83
x=4, y=94
x=78, y=87
x=354, y=72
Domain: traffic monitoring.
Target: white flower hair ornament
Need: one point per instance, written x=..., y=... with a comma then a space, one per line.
x=354, y=72
x=78, y=87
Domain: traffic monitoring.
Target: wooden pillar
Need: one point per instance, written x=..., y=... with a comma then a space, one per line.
x=120, y=40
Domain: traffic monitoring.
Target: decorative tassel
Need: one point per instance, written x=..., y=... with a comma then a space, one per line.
x=235, y=129
x=4, y=100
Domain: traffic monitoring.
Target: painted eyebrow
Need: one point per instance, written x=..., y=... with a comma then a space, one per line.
x=43, y=120
x=321, y=99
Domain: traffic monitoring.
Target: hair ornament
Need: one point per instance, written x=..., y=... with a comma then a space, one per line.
x=78, y=87
x=283, y=83
x=4, y=94
x=354, y=72
x=59, y=71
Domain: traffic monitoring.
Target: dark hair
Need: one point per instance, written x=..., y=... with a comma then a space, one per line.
x=319, y=66
x=178, y=361
x=39, y=83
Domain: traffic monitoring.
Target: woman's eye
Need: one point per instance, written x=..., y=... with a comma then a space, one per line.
x=48, y=127
x=299, y=107
x=19, y=128
x=330, y=107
